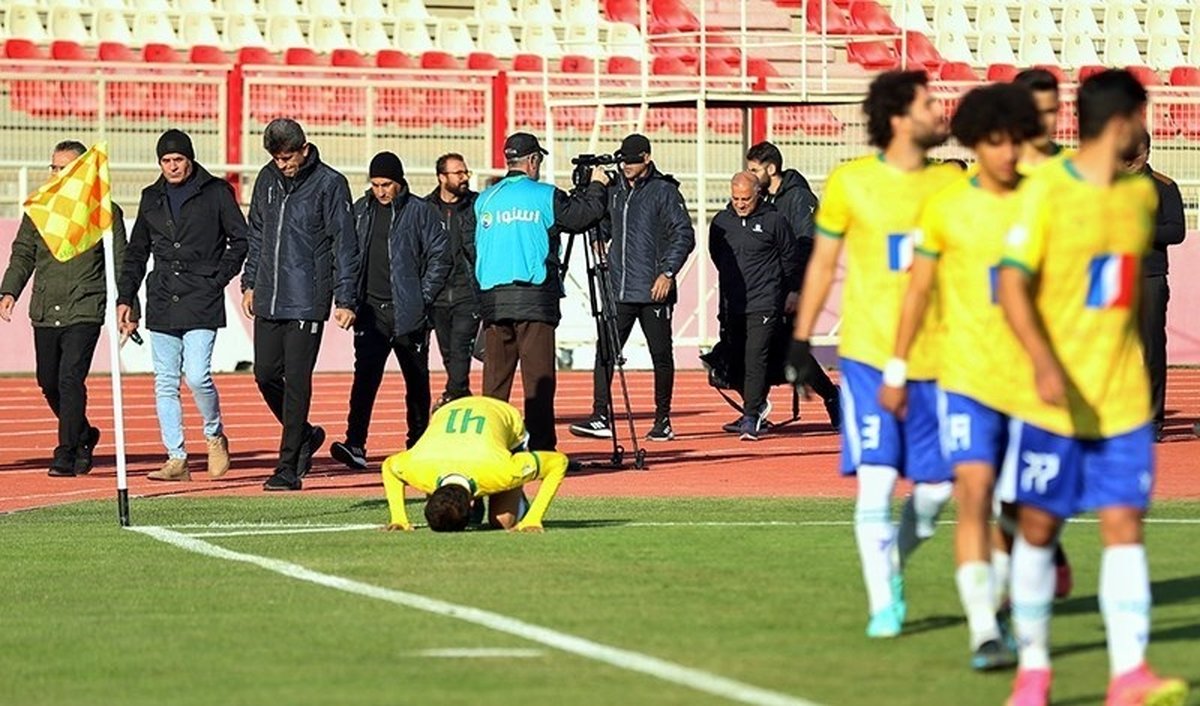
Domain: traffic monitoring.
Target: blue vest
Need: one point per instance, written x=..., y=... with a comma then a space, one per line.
x=513, y=218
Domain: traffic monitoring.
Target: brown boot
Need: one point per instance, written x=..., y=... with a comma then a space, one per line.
x=175, y=469
x=218, y=455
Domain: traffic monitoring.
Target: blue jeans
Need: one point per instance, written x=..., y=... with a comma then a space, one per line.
x=186, y=354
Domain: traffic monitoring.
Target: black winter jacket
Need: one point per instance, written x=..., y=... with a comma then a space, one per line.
x=64, y=293
x=797, y=205
x=303, y=249
x=459, y=220
x=194, y=257
x=755, y=259
x=416, y=252
x=1169, y=227
x=573, y=213
x=650, y=233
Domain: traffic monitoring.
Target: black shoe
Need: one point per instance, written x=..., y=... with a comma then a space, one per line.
x=993, y=654
x=282, y=480
x=316, y=437
x=1159, y=434
x=83, y=455
x=834, y=407
x=661, y=431
x=734, y=427
x=63, y=465
x=353, y=457
x=595, y=426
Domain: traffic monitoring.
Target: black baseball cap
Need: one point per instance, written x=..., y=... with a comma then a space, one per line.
x=633, y=147
x=520, y=144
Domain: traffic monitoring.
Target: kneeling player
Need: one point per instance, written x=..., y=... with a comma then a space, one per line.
x=472, y=449
x=960, y=242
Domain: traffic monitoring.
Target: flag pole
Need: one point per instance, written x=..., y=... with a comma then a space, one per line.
x=114, y=350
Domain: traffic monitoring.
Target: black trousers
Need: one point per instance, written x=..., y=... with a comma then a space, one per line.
x=758, y=330
x=457, y=326
x=374, y=341
x=285, y=353
x=64, y=358
x=819, y=380
x=530, y=343
x=655, y=320
x=1155, y=295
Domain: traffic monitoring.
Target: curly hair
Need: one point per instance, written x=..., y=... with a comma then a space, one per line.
x=891, y=94
x=448, y=509
x=998, y=108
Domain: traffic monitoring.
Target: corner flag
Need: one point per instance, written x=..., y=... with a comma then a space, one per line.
x=72, y=211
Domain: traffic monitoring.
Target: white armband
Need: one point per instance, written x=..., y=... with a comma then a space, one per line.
x=895, y=372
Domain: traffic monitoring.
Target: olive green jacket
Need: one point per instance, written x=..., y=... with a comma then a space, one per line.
x=64, y=293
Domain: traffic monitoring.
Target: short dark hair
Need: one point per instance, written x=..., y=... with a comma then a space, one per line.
x=1037, y=80
x=1114, y=93
x=766, y=153
x=284, y=135
x=448, y=509
x=891, y=94
x=71, y=146
x=440, y=167
x=1004, y=108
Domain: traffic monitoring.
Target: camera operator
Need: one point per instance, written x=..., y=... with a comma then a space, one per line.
x=649, y=236
x=518, y=221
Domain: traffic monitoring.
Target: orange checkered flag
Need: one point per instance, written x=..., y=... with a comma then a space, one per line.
x=73, y=211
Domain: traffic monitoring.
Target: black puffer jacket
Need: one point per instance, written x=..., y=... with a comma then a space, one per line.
x=416, y=252
x=650, y=231
x=303, y=249
x=755, y=259
x=797, y=205
x=194, y=257
x=459, y=219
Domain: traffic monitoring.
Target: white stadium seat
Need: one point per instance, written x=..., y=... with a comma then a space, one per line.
x=325, y=8
x=992, y=48
x=497, y=39
x=494, y=10
x=1078, y=17
x=278, y=8
x=198, y=28
x=109, y=25
x=1036, y=49
x=367, y=9
x=583, y=40
x=626, y=40
x=536, y=11
x=66, y=23
x=370, y=36
x=953, y=46
x=283, y=32
x=992, y=17
x=1121, y=21
x=910, y=15
x=98, y=5
x=186, y=6
x=1122, y=51
x=1037, y=17
x=242, y=31
x=580, y=11
x=1164, y=54
x=412, y=37
x=454, y=37
x=153, y=28
x=23, y=21
x=1162, y=20
x=326, y=34
x=238, y=7
x=1079, y=50
x=409, y=10
x=540, y=39
x=951, y=16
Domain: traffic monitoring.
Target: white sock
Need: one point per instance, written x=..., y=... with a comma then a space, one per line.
x=1001, y=576
x=875, y=534
x=919, y=518
x=1032, y=596
x=974, y=579
x=1125, y=605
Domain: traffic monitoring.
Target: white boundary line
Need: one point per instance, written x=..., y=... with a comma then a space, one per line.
x=691, y=678
x=481, y=653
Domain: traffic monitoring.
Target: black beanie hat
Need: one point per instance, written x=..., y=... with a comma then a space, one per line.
x=387, y=165
x=175, y=142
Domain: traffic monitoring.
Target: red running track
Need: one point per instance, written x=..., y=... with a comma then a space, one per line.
x=799, y=461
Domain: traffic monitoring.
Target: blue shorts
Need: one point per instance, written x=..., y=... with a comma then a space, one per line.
x=971, y=431
x=1065, y=476
x=873, y=436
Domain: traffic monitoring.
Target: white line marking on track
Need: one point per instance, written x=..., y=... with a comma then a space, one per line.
x=284, y=530
x=629, y=660
x=480, y=653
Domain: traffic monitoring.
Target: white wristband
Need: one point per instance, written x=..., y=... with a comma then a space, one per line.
x=895, y=372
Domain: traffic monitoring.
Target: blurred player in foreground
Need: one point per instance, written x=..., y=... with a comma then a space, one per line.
x=871, y=206
x=960, y=242
x=473, y=448
x=1069, y=286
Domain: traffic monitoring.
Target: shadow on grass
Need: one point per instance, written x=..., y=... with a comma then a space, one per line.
x=1165, y=592
x=931, y=623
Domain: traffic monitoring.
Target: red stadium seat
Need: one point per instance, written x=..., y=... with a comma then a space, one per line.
x=672, y=16
x=815, y=120
x=393, y=59
x=208, y=54
x=1055, y=71
x=528, y=63
x=115, y=51
x=1086, y=72
x=161, y=54
x=1002, y=73
x=957, y=71
x=577, y=64
x=720, y=68
x=256, y=56
x=63, y=50
x=348, y=58
x=670, y=66
x=302, y=56
x=483, y=61
x=922, y=54
x=870, y=18
x=1146, y=75
x=439, y=60
x=790, y=4
x=835, y=20
x=623, y=65
x=1185, y=76
x=760, y=67
x=877, y=56
x=23, y=49
x=623, y=11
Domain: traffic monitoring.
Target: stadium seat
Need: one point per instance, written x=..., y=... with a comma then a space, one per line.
x=370, y=35
x=454, y=37
x=1079, y=18
x=66, y=50
x=24, y=49
x=494, y=11
x=496, y=38
x=283, y=32
x=393, y=59
x=528, y=63
x=581, y=11
x=412, y=37
x=348, y=58
x=409, y=10
x=439, y=60
x=994, y=48
x=66, y=23
x=626, y=40
x=672, y=16
x=302, y=56
x=1078, y=50
x=1037, y=18
x=483, y=61
x=910, y=15
x=921, y=53
x=577, y=64
x=953, y=47
x=1162, y=20
x=198, y=28
x=159, y=6
x=957, y=71
x=834, y=20
x=207, y=54
x=1002, y=73
x=1054, y=70
x=1145, y=75
x=284, y=8
x=670, y=66
x=153, y=28
x=760, y=68
x=367, y=9
x=1086, y=72
x=324, y=8
x=109, y=25
x=1164, y=53
x=951, y=16
x=238, y=7
x=1121, y=51
x=326, y=34
x=1185, y=76
x=622, y=66
x=23, y=21
x=1120, y=22
x=256, y=56
x=877, y=56
x=115, y=51
x=626, y=11
x=187, y=6
x=991, y=16
x=869, y=17
x=242, y=31
x=1036, y=49
x=537, y=11
x=161, y=54
x=582, y=39
x=814, y=120
x=540, y=39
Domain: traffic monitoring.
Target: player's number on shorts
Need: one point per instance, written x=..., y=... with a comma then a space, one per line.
x=1038, y=471
x=958, y=432
x=870, y=431
x=469, y=423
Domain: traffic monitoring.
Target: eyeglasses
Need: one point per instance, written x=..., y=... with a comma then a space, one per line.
x=461, y=172
x=55, y=169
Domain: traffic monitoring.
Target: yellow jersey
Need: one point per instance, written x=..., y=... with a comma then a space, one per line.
x=964, y=226
x=874, y=208
x=481, y=439
x=1083, y=247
